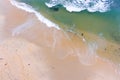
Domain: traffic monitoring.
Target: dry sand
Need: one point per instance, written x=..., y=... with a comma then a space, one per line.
x=29, y=50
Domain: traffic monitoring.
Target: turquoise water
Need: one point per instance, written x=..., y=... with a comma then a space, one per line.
x=105, y=24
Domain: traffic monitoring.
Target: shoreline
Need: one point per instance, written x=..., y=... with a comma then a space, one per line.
x=39, y=52
x=29, y=9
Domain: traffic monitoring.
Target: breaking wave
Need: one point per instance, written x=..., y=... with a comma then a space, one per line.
x=29, y=9
x=80, y=5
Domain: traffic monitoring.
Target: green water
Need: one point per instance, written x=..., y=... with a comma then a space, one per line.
x=103, y=24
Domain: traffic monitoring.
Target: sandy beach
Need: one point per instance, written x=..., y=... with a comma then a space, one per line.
x=29, y=50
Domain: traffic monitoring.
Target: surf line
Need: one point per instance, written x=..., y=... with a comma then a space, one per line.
x=30, y=9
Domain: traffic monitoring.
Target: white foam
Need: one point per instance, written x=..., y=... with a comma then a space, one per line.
x=71, y=8
x=29, y=9
x=80, y=5
x=49, y=5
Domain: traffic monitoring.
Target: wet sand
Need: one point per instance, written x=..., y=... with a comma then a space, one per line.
x=29, y=50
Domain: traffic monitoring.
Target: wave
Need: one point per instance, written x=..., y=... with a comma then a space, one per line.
x=80, y=5
x=30, y=9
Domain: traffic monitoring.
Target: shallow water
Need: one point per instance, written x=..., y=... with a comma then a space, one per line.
x=105, y=24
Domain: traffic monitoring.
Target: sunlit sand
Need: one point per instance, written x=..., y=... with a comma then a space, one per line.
x=29, y=50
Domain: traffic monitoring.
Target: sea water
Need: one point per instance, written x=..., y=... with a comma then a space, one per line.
x=101, y=17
